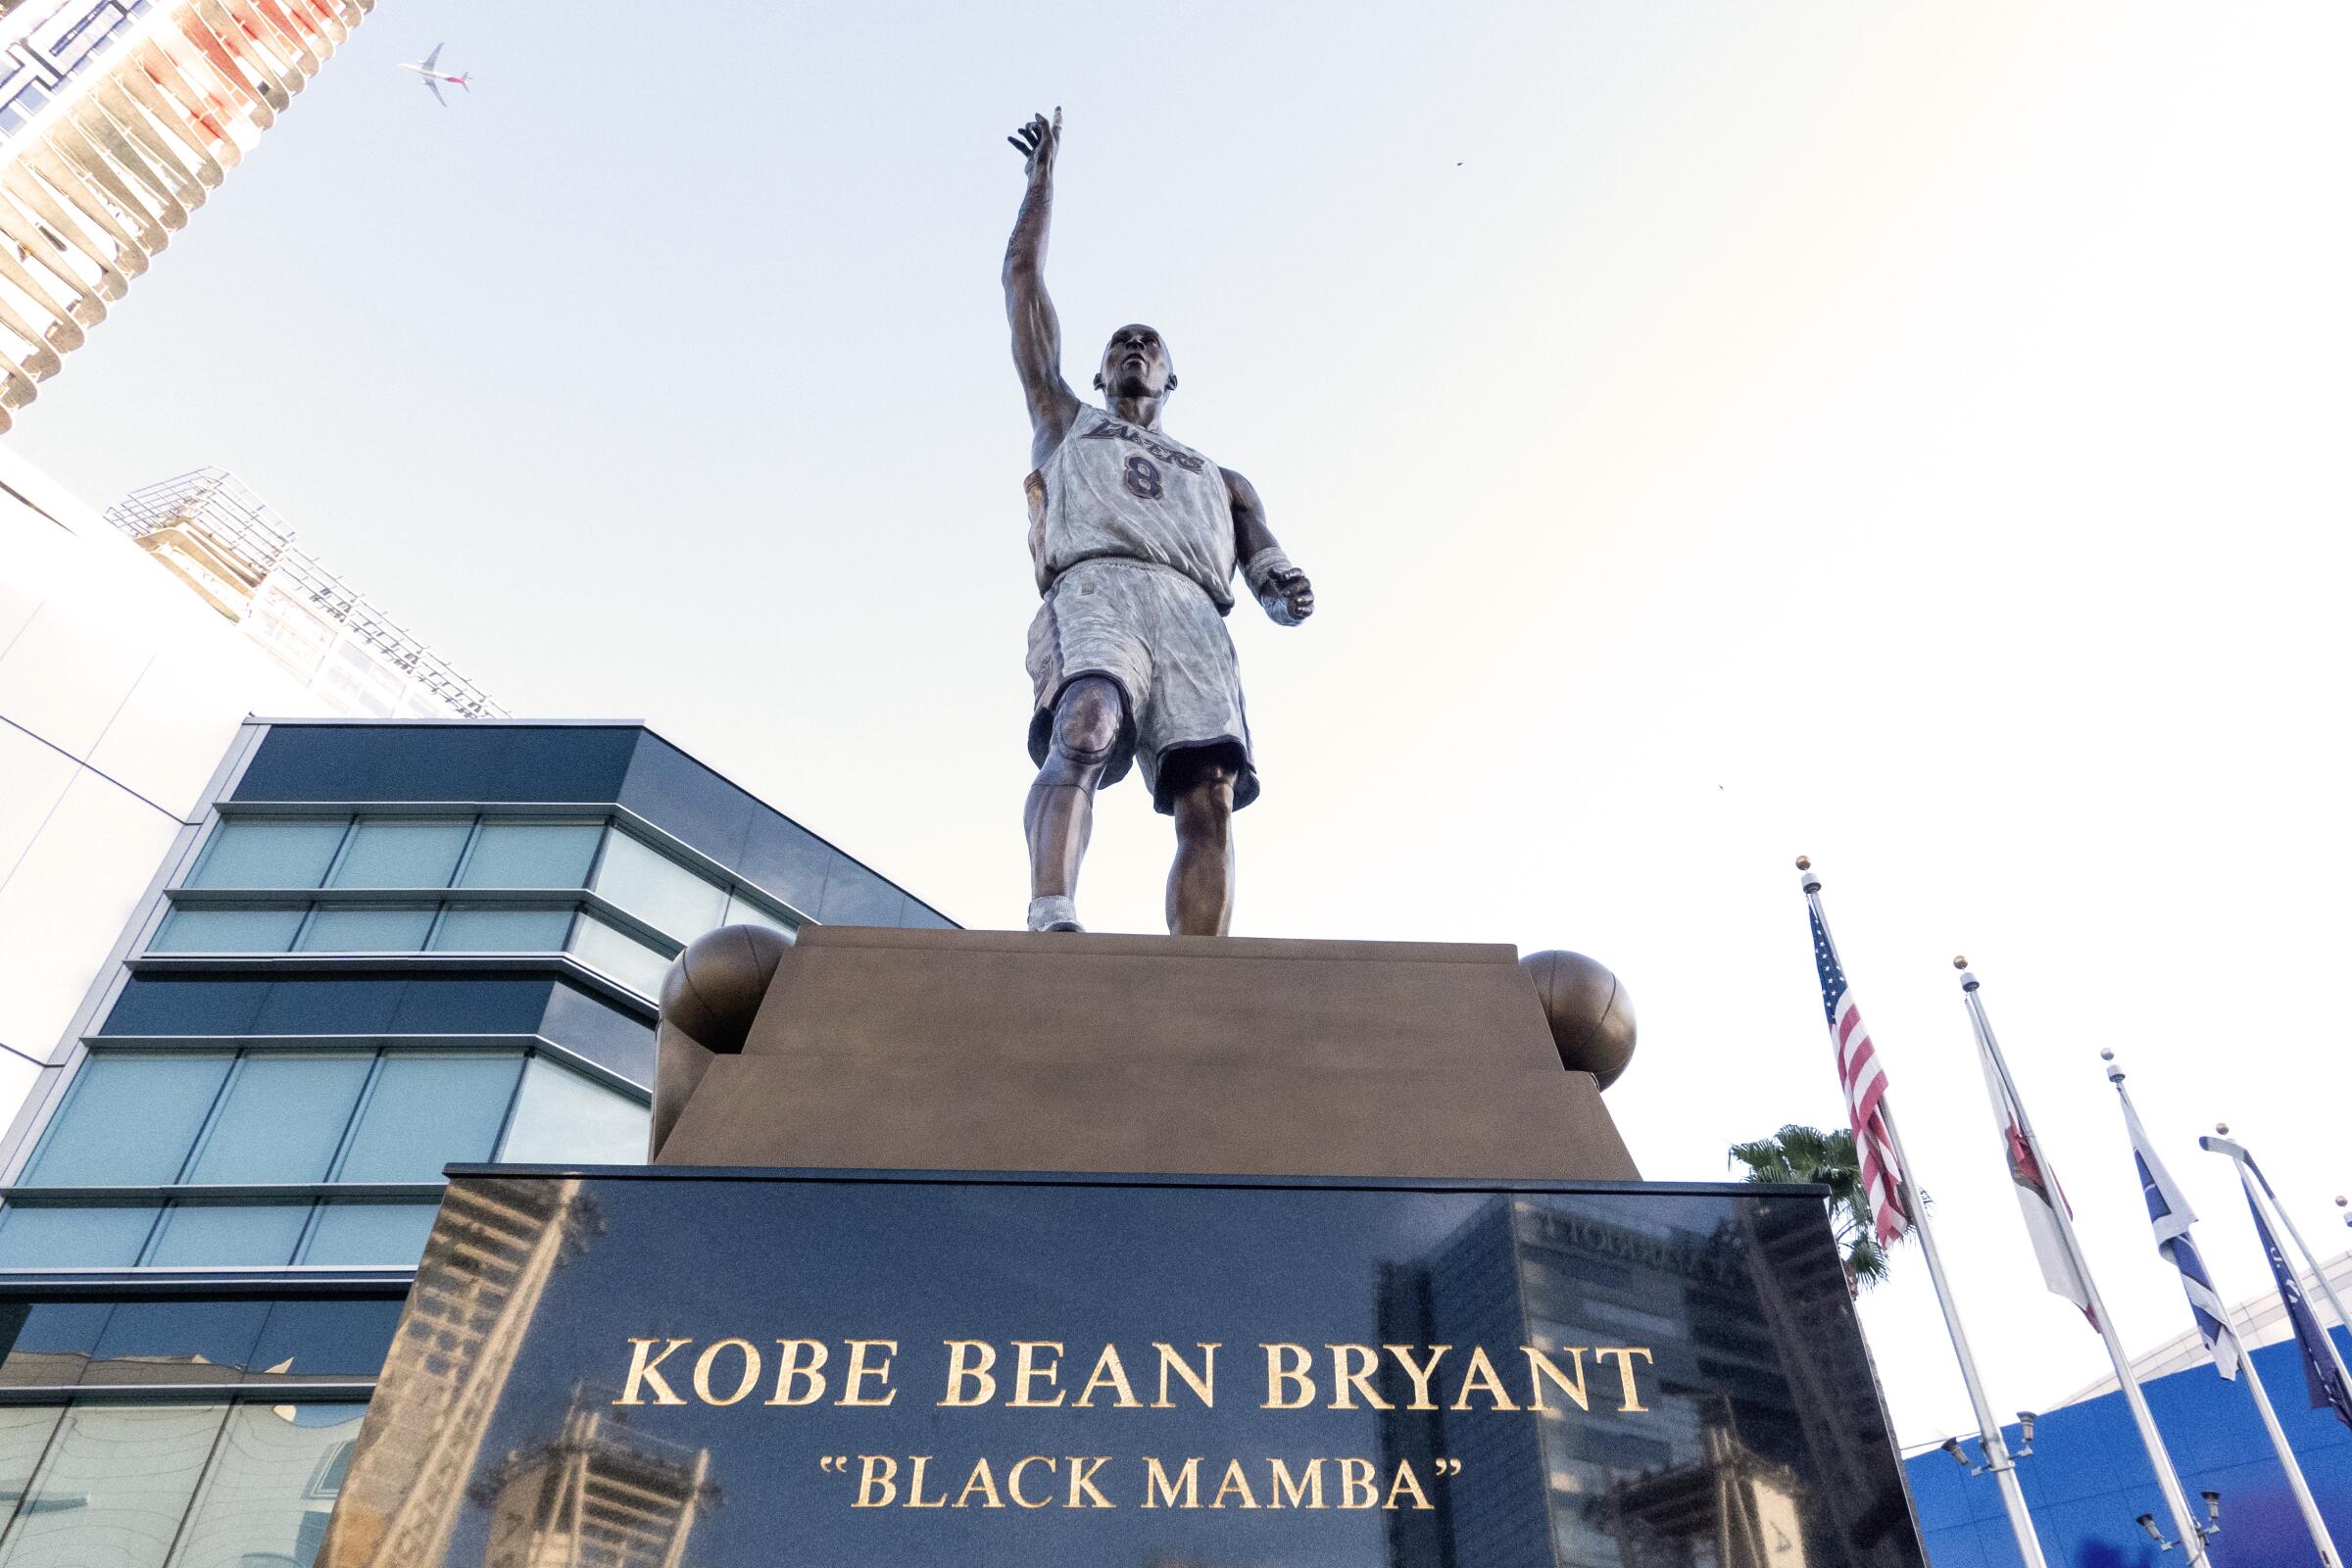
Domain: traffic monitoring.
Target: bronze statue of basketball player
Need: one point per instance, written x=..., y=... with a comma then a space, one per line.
x=1136, y=538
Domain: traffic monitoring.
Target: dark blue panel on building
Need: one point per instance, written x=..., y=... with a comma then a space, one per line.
x=2089, y=1477
x=323, y=1005
x=867, y=1370
x=469, y=762
x=604, y=1034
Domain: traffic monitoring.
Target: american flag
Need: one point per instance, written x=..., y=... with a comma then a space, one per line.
x=1865, y=1083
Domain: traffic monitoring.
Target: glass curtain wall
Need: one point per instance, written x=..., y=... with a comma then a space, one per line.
x=267, y=1156
x=200, y=1485
x=461, y=884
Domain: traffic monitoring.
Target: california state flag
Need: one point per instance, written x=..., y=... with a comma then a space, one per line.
x=2037, y=1192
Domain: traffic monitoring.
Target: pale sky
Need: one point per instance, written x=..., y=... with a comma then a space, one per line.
x=1906, y=435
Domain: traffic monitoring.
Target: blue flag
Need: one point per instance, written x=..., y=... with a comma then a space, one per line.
x=2326, y=1384
x=2169, y=1213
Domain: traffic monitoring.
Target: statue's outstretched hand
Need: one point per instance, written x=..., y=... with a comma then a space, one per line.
x=1287, y=596
x=1037, y=142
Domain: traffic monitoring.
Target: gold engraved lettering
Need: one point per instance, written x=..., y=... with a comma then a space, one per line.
x=1013, y=1480
x=1351, y=1369
x=1356, y=1488
x=1159, y=1492
x=983, y=1482
x=876, y=1488
x=1204, y=1387
x=1081, y=1479
x=1421, y=1373
x=1026, y=1372
x=1625, y=1371
x=1404, y=1481
x=743, y=1385
x=1540, y=1366
x=855, y=1376
x=791, y=1368
x=968, y=1361
x=641, y=1372
x=1292, y=1374
x=1110, y=1373
x=1235, y=1480
x=1304, y=1490
x=915, y=1484
x=1482, y=1377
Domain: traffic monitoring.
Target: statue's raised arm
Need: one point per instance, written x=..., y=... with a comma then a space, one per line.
x=1036, y=329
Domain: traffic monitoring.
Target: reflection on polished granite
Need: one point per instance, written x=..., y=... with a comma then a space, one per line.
x=730, y=1368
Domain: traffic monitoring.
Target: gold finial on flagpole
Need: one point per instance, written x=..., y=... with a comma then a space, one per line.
x=2221, y=1127
x=1804, y=863
x=1960, y=961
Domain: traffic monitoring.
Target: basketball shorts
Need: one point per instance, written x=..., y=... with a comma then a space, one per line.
x=1158, y=637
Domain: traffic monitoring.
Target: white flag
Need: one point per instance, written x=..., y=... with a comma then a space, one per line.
x=2037, y=1193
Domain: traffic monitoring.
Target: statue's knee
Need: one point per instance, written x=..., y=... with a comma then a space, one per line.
x=1204, y=799
x=1086, y=721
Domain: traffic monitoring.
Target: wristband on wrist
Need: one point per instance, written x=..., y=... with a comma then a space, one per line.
x=1260, y=571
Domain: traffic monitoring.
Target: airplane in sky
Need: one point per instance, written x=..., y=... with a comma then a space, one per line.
x=434, y=79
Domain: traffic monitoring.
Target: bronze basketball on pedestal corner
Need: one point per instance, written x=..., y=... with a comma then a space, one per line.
x=1592, y=1018
x=713, y=989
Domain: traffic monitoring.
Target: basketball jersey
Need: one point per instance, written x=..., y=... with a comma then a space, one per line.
x=1117, y=489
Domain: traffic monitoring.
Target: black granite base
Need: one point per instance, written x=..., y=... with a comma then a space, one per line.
x=684, y=1368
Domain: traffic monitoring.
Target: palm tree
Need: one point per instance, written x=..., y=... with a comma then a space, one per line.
x=1797, y=1154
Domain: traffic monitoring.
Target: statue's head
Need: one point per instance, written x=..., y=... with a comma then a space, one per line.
x=1136, y=365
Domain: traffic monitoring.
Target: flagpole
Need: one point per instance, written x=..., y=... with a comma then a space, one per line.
x=2181, y=1252
x=2168, y=1479
x=2245, y=1163
x=1988, y=1431
x=2270, y=1421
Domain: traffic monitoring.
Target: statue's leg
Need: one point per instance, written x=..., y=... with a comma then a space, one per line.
x=1059, y=815
x=1201, y=882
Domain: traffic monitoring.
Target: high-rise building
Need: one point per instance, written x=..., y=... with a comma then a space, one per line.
x=124, y=674
x=218, y=537
x=117, y=119
x=375, y=947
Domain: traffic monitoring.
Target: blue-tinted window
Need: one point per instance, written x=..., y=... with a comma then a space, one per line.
x=620, y=956
x=212, y=1340
x=362, y=1234
x=586, y=1024
x=283, y=1120
x=328, y=1339
x=270, y=852
x=368, y=930
x=129, y=1120
x=250, y=1515
x=494, y=928
x=531, y=855
x=49, y=1343
x=403, y=852
x=741, y=910
x=79, y=1508
x=228, y=1235
x=226, y=931
x=427, y=1112
x=562, y=1118
x=38, y=1236
x=657, y=890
